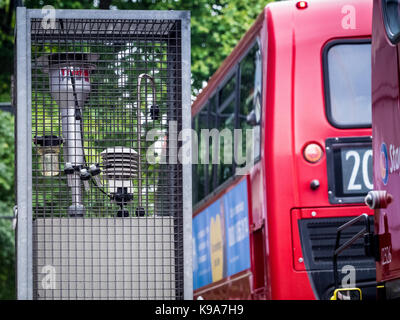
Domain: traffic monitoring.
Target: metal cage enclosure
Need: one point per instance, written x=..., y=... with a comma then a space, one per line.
x=103, y=203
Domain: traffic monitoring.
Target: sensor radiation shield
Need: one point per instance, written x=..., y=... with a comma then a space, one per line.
x=120, y=166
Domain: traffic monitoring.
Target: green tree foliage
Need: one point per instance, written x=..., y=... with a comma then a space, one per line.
x=7, y=47
x=7, y=261
x=216, y=27
x=6, y=157
x=7, y=273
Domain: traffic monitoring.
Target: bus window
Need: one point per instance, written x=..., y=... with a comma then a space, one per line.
x=250, y=99
x=348, y=84
x=213, y=121
x=391, y=18
x=226, y=120
x=195, y=195
x=202, y=174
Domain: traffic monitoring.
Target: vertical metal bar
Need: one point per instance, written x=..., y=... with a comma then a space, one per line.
x=237, y=112
x=24, y=157
x=187, y=170
x=172, y=172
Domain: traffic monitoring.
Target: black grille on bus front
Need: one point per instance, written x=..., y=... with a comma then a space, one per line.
x=318, y=238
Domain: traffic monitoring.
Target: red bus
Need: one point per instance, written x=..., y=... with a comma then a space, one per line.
x=300, y=79
x=386, y=143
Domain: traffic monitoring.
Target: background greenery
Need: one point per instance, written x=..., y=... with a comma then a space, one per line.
x=216, y=27
x=6, y=205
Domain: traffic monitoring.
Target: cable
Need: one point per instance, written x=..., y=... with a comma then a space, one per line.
x=102, y=191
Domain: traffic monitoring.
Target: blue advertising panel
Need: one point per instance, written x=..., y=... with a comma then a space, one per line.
x=221, y=245
x=237, y=226
x=202, y=265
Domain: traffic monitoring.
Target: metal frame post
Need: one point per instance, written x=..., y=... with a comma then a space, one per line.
x=24, y=157
x=187, y=168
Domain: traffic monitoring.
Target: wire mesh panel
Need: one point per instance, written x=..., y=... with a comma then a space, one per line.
x=107, y=191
